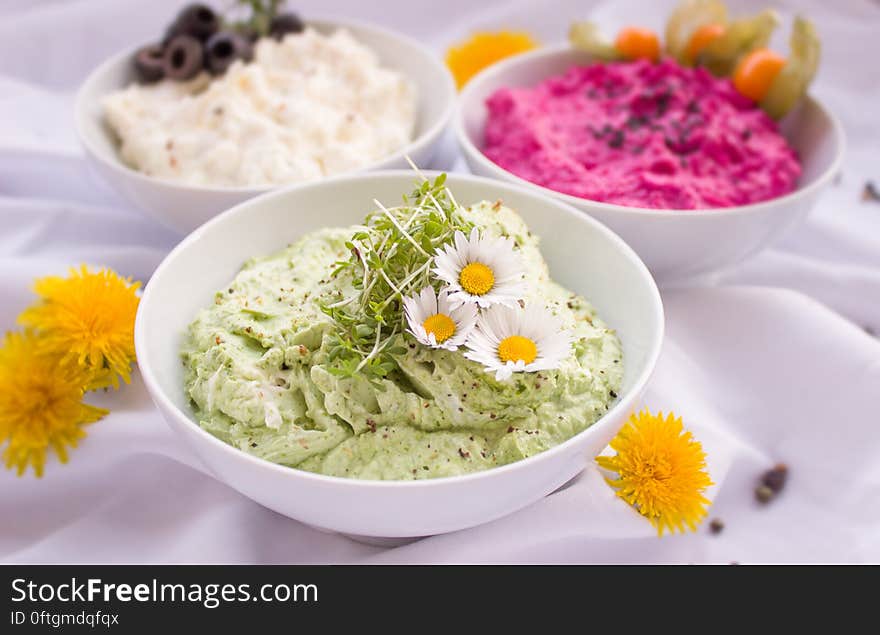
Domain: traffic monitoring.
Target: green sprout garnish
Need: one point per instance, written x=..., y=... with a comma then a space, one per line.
x=391, y=258
x=262, y=12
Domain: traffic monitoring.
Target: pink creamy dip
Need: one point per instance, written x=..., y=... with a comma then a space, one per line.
x=642, y=135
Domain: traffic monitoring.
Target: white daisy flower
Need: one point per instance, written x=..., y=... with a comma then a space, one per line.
x=479, y=270
x=434, y=322
x=514, y=340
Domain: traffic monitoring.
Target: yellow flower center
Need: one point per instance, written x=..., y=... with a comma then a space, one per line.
x=517, y=348
x=441, y=326
x=476, y=278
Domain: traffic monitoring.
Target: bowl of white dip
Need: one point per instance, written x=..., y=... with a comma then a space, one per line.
x=581, y=254
x=339, y=97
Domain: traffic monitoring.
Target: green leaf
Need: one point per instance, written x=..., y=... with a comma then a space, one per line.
x=364, y=330
x=387, y=367
x=433, y=228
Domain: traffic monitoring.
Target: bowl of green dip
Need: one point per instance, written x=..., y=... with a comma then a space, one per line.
x=238, y=347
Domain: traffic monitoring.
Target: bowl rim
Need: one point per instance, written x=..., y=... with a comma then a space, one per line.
x=470, y=150
x=624, y=403
x=116, y=163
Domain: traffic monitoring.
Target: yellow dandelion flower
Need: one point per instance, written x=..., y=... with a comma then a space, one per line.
x=87, y=318
x=483, y=49
x=40, y=403
x=661, y=471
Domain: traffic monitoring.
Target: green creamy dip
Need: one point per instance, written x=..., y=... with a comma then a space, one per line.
x=257, y=373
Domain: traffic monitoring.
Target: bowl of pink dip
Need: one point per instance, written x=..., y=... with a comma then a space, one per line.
x=689, y=172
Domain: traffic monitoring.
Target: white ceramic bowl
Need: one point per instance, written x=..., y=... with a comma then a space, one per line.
x=673, y=243
x=185, y=207
x=583, y=255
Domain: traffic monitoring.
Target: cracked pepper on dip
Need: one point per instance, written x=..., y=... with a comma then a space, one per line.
x=258, y=102
x=691, y=127
x=429, y=341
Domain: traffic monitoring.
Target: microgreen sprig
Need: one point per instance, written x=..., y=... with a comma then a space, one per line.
x=260, y=15
x=391, y=258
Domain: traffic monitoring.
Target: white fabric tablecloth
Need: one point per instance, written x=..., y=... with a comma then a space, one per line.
x=766, y=362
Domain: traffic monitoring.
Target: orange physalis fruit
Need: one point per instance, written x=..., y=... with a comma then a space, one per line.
x=702, y=38
x=756, y=71
x=635, y=42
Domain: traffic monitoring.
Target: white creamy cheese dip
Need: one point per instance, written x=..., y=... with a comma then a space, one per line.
x=309, y=106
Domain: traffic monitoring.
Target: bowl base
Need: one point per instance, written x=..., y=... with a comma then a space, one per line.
x=379, y=541
x=391, y=542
